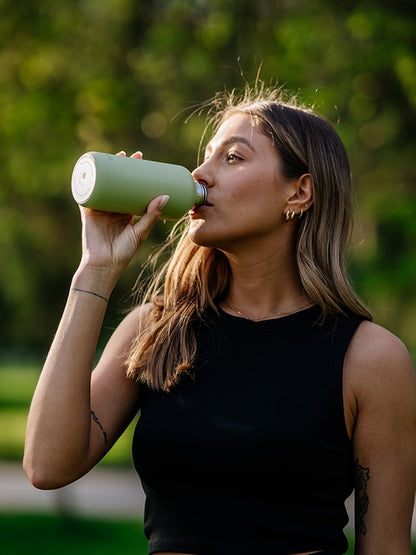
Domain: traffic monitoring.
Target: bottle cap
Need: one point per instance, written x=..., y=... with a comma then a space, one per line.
x=83, y=178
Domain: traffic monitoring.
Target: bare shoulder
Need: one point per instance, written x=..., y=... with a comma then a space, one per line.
x=375, y=346
x=377, y=361
x=139, y=315
x=134, y=322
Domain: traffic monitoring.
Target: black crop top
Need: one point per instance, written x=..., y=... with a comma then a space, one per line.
x=250, y=453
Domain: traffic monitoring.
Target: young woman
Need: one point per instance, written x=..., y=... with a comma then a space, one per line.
x=266, y=392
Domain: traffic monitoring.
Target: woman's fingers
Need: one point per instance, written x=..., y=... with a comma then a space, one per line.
x=138, y=154
x=143, y=227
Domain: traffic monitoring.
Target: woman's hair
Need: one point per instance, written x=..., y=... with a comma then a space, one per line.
x=197, y=277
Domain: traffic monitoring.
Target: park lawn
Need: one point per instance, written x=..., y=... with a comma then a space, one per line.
x=17, y=383
x=12, y=433
x=40, y=534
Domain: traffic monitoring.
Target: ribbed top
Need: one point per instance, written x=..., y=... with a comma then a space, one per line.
x=250, y=453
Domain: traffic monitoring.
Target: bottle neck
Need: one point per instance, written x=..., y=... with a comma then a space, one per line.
x=201, y=194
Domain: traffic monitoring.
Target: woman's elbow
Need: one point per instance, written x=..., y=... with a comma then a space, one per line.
x=44, y=478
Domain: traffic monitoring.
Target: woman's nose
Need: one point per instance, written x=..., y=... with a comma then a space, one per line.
x=202, y=174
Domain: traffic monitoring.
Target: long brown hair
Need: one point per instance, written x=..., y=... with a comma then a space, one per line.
x=195, y=277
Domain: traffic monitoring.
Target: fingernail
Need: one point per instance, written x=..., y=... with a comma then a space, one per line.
x=163, y=201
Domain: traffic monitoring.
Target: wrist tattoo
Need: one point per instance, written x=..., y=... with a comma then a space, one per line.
x=362, y=475
x=95, y=418
x=90, y=293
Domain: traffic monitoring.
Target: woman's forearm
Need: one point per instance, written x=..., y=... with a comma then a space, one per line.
x=58, y=429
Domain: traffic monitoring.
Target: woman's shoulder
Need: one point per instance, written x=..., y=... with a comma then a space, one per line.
x=141, y=313
x=373, y=344
x=376, y=358
x=138, y=319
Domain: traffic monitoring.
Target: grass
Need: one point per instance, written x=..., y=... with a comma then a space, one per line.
x=17, y=383
x=49, y=535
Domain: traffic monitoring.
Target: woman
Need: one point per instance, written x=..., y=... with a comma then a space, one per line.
x=266, y=393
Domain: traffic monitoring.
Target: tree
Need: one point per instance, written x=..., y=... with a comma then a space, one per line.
x=95, y=75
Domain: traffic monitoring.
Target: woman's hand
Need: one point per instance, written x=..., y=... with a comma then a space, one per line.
x=109, y=240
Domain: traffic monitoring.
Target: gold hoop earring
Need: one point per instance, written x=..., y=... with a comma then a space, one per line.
x=289, y=215
x=300, y=213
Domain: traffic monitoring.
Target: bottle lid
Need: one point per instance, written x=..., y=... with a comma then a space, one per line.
x=83, y=178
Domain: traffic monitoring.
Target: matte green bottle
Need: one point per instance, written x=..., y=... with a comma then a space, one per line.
x=126, y=185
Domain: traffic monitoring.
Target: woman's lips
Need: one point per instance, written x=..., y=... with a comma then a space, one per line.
x=196, y=210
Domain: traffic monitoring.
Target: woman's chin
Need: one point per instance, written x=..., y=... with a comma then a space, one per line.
x=200, y=235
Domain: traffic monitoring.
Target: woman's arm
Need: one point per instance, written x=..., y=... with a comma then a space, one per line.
x=381, y=387
x=64, y=439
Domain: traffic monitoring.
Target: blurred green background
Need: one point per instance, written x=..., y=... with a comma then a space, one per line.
x=126, y=74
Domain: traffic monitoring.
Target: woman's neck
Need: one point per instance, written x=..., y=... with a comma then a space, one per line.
x=264, y=285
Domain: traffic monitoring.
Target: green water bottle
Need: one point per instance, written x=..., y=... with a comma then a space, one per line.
x=126, y=185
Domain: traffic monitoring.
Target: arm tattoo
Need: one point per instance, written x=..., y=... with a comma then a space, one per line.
x=362, y=475
x=95, y=418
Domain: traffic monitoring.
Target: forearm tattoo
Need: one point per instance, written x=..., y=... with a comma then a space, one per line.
x=362, y=475
x=95, y=418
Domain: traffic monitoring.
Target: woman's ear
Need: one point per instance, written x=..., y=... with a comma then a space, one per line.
x=302, y=197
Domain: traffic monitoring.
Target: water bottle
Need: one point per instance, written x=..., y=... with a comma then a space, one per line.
x=126, y=185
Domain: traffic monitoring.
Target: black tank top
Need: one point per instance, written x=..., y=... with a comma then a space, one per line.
x=250, y=453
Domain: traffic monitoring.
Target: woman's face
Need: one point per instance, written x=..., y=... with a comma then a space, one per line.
x=246, y=191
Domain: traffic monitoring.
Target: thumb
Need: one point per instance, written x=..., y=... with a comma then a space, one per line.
x=155, y=207
x=151, y=216
x=163, y=200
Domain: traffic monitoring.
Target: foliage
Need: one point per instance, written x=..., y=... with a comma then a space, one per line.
x=89, y=75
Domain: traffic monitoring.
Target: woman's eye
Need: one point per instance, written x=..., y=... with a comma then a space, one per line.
x=232, y=157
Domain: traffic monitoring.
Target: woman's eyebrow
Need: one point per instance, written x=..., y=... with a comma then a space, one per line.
x=233, y=140
x=237, y=139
